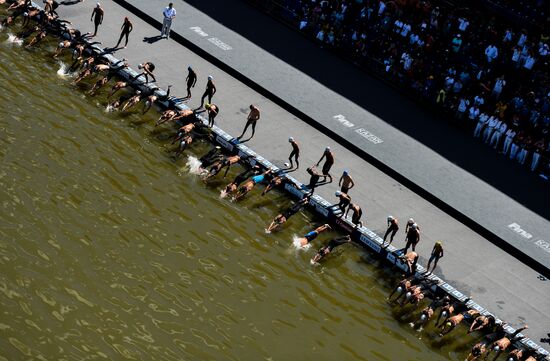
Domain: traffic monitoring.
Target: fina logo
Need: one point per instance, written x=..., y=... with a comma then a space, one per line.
x=372, y=244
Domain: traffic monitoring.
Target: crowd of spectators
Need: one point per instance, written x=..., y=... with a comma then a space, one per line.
x=490, y=74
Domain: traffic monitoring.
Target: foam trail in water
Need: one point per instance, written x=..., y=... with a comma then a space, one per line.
x=1, y=27
x=62, y=71
x=297, y=244
x=194, y=165
x=12, y=39
x=109, y=109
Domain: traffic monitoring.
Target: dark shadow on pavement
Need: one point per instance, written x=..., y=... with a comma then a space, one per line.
x=71, y=2
x=152, y=39
x=433, y=130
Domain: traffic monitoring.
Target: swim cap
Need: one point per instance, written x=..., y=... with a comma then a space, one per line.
x=207, y=106
x=337, y=193
x=97, y=4
x=444, y=313
x=327, y=149
x=345, y=172
x=423, y=317
x=408, y=295
x=60, y=45
x=510, y=359
x=497, y=348
x=287, y=164
x=189, y=68
x=448, y=324
x=399, y=289
x=218, y=147
x=390, y=218
x=210, y=77
x=411, y=220
x=290, y=139
x=414, y=226
x=140, y=66
x=438, y=243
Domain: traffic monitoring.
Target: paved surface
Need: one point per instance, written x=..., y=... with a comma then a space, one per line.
x=495, y=279
x=444, y=173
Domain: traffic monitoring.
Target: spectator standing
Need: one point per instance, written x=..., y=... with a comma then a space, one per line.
x=97, y=17
x=169, y=15
x=126, y=28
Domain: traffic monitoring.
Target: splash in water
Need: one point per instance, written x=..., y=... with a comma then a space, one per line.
x=12, y=39
x=223, y=194
x=62, y=71
x=109, y=109
x=194, y=165
x=296, y=242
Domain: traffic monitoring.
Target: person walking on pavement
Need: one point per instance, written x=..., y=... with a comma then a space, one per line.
x=191, y=80
x=393, y=227
x=126, y=28
x=346, y=182
x=209, y=92
x=437, y=253
x=213, y=111
x=169, y=15
x=251, y=120
x=97, y=17
x=295, y=153
x=328, y=163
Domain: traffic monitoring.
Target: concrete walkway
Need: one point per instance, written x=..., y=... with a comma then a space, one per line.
x=475, y=266
x=437, y=177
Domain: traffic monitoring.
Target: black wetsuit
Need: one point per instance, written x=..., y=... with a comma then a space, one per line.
x=293, y=209
x=209, y=158
x=243, y=176
x=333, y=243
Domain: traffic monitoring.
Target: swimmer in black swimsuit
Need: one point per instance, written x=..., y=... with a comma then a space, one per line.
x=286, y=214
x=313, y=234
x=211, y=157
x=332, y=244
x=276, y=179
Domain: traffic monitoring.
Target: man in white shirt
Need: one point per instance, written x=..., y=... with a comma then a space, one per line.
x=482, y=122
x=169, y=15
x=499, y=85
x=463, y=24
x=510, y=134
x=462, y=108
x=499, y=130
x=491, y=52
x=489, y=129
x=473, y=112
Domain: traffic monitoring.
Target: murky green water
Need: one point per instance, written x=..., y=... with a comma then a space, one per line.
x=109, y=249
